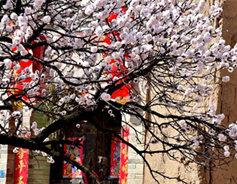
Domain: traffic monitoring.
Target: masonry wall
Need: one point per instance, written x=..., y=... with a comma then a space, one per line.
x=135, y=162
x=225, y=98
x=39, y=168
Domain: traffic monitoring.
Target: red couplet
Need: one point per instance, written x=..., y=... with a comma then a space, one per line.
x=124, y=156
x=21, y=166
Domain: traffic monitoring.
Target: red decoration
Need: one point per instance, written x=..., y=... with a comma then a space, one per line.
x=115, y=157
x=114, y=33
x=122, y=93
x=21, y=166
x=124, y=156
x=38, y=52
x=109, y=36
x=25, y=64
x=118, y=69
x=114, y=16
x=76, y=154
x=22, y=71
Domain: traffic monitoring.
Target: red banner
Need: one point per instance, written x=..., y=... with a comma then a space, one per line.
x=76, y=154
x=115, y=157
x=124, y=156
x=21, y=166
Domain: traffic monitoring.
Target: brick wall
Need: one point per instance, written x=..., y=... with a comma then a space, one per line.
x=39, y=168
x=135, y=162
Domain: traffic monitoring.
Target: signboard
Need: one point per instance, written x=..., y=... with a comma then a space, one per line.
x=1, y=173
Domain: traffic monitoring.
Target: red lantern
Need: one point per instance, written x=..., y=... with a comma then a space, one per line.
x=114, y=16
x=122, y=93
x=38, y=52
x=115, y=33
x=118, y=69
x=108, y=37
x=16, y=89
x=25, y=64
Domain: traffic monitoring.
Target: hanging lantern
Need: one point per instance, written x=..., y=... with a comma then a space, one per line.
x=25, y=64
x=38, y=52
x=117, y=66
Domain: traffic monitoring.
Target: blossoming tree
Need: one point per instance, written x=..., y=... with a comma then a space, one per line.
x=75, y=60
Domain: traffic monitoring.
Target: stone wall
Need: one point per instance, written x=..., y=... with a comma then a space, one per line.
x=161, y=163
x=227, y=99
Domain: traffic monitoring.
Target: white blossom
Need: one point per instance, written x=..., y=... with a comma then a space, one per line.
x=38, y=3
x=46, y=19
x=105, y=97
x=226, y=148
x=50, y=160
x=183, y=124
x=16, y=114
x=225, y=79
x=7, y=63
x=16, y=150
x=99, y=31
x=94, y=49
x=5, y=19
x=34, y=125
x=8, y=5
x=222, y=137
x=227, y=153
